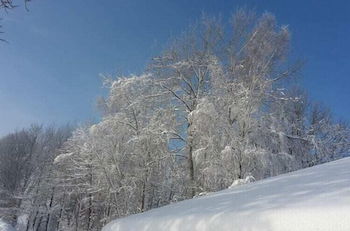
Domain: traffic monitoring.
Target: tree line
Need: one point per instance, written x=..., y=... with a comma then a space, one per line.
x=220, y=104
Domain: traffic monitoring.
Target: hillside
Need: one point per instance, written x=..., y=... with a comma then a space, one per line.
x=316, y=198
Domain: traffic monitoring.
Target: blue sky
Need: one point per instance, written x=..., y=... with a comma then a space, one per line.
x=50, y=67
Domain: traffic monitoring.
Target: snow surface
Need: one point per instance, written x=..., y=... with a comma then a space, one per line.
x=316, y=198
x=5, y=227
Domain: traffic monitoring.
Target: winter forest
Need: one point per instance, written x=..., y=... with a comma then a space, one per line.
x=221, y=104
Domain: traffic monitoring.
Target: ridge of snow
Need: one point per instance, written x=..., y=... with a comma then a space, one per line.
x=316, y=198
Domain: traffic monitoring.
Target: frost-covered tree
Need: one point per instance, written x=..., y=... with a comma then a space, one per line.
x=124, y=160
x=17, y=166
x=183, y=73
x=329, y=139
x=213, y=110
x=221, y=82
x=26, y=160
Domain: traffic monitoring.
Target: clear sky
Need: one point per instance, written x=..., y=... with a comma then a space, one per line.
x=49, y=70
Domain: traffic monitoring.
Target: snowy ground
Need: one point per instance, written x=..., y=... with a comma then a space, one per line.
x=316, y=198
x=5, y=227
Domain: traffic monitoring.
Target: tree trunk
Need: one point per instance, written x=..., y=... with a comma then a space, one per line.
x=190, y=161
x=49, y=212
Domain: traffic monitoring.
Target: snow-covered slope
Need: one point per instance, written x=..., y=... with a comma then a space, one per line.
x=316, y=198
x=5, y=227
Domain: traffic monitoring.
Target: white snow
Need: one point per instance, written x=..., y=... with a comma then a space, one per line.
x=246, y=180
x=316, y=198
x=5, y=227
x=22, y=222
x=61, y=157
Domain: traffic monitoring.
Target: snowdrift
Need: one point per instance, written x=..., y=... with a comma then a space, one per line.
x=316, y=198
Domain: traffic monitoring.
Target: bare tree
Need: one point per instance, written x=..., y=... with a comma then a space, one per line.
x=7, y=5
